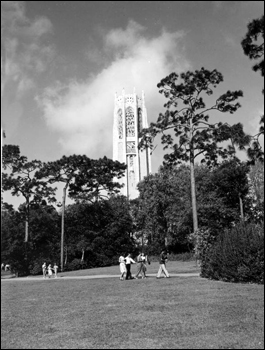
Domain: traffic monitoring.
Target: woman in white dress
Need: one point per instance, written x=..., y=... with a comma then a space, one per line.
x=122, y=267
x=50, y=270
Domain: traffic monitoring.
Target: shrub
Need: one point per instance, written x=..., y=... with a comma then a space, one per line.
x=75, y=264
x=237, y=255
x=36, y=268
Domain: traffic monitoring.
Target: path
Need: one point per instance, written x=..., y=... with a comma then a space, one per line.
x=40, y=278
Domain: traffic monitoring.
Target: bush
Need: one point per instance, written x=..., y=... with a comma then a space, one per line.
x=36, y=268
x=237, y=255
x=75, y=264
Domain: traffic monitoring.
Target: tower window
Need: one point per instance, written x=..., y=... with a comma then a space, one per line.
x=130, y=125
x=120, y=124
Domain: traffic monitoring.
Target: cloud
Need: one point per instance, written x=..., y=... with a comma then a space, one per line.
x=23, y=49
x=254, y=122
x=82, y=112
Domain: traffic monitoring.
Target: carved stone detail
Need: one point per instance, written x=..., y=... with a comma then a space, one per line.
x=130, y=124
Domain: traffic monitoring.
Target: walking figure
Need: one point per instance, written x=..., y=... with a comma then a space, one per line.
x=128, y=262
x=162, y=267
x=55, y=268
x=139, y=266
x=145, y=261
x=44, y=270
x=122, y=267
x=50, y=270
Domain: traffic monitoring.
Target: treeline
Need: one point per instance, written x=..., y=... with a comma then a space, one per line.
x=227, y=194
x=95, y=235
x=97, y=232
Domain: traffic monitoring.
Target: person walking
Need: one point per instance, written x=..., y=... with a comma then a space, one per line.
x=55, y=269
x=162, y=267
x=122, y=267
x=128, y=262
x=44, y=270
x=145, y=261
x=139, y=266
x=50, y=270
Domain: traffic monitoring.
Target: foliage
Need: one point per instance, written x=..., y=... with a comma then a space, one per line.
x=231, y=182
x=187, y=116
x=202, y=241
x=253, y=45
x=159, y=211
x=162, y=213
x=255, y=151
x=12, y=243
x=96, y=234
x=185, y=125
x=255, y=196
x=22, y=180
x=237, y=255
x=43, y=245
x=87, y=180
x=95, y=179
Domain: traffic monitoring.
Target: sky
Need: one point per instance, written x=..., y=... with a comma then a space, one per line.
x=63, y=61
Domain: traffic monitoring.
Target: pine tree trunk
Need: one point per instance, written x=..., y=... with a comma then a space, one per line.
x=27, y=221
x=192, y=179
x=65, y=260
x=241, y=208
x=62, y=228
x=193, y=197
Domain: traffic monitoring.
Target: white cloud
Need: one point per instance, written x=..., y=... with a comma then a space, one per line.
x=82, y=113
x=254, y=122
x=23, y=52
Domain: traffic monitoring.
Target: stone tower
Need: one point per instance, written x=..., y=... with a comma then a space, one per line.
x=129, y=119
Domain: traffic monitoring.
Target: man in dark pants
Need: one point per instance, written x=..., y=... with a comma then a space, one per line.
x=128, y=262
x=162, y=262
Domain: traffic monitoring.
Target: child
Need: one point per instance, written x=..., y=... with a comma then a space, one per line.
x=44, y=270
x=122, y=267
x=50, y=270
x=55, y=268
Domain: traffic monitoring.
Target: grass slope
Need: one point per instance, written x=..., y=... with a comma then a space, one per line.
x=175, y=313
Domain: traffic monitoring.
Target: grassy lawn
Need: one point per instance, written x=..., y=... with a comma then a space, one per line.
x=175, y=313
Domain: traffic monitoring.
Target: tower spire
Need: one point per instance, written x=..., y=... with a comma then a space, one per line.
x=129, y=119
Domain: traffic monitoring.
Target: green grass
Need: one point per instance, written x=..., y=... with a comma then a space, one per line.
x=175, y=313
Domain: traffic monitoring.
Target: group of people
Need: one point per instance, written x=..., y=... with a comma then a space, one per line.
x=5, y=267
x=142, y=260
x=48, y=270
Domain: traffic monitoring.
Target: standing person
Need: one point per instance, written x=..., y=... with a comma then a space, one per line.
x=128, y=262
x=162, y=267
x=55, y=268
x=44, y=270
x=139, y=266
x=50, y=270
x=145, y=261
x=122, y=267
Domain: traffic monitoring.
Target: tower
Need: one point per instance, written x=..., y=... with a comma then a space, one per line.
x=130, y=118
